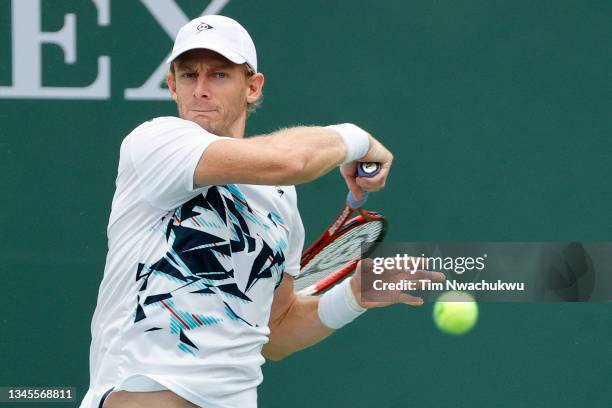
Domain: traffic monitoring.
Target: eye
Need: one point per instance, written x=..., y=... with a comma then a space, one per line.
x=188, y=75
x=220, y=75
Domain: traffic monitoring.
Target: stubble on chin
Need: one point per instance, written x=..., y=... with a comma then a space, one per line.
x=211, y=128
x=184, y=115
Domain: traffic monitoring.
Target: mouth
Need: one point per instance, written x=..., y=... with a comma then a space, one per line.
x=203, y=110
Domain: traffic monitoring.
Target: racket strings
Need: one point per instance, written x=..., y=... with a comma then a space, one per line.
x=339, y=252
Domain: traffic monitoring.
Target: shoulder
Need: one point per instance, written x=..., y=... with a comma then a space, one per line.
x=166, y=124
x=164, y=130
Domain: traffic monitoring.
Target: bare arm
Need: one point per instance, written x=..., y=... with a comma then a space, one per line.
x=288, y=156
x=294, y=322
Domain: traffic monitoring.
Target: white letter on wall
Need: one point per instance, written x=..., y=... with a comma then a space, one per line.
x=27, y=55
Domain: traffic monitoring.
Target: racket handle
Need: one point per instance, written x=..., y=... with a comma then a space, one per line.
x=354, y=203
x=367, y=169
x=363, y=170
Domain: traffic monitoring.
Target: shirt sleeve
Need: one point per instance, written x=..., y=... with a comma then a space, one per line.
x=165, y=153
x=296, y=241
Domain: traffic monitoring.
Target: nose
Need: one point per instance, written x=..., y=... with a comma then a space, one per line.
x=202, y=89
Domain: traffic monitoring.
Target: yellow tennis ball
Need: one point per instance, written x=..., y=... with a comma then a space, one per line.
x=455, y=312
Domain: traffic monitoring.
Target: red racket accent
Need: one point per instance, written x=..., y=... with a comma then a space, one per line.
x=329, y=281
x=340, y=221
x=334, y=255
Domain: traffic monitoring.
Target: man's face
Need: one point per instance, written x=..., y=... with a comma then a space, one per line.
x=213, y=92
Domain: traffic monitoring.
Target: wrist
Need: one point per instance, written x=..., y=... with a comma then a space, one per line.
x=356, y=140
x=338, y=306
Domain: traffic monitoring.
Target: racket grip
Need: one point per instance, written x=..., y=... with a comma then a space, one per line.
x=363, y=170
x=367, y=169
x=353, y=202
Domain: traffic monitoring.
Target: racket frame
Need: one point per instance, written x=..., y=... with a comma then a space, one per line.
x=337, y=228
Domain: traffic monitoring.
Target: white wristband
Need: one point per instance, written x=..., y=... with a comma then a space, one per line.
x=356, y=140
x=338, y=306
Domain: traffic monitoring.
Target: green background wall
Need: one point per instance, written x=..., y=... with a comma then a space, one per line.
x=497, y=111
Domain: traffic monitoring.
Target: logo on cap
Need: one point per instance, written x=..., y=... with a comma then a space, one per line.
x=203, y=26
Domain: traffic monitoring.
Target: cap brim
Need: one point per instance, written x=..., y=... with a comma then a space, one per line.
x=200, y=45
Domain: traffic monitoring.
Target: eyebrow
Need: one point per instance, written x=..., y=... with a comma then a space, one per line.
x=214, y=65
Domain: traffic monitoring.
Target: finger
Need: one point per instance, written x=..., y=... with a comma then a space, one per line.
x=368, y=184
x=432, y=276
x=352, y=185
x=414, y=263
x=381, y=175
x=410, y=300
x=365, y=263
x=349, y=170
x=423, y=275
x=373, y=183
x=354, y=188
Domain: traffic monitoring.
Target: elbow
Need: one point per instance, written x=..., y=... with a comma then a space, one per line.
x=276, y=352
x=276, y=355
x=298, y=171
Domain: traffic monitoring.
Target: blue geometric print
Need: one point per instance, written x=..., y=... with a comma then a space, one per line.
x=202, y=237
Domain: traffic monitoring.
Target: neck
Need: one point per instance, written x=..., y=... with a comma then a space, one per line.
x=238, y=128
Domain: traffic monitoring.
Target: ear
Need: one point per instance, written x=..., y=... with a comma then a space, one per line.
x=256, y=83
x=171, y=85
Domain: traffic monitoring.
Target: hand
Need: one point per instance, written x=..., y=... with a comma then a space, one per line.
x=377, y=154
x=393, y=275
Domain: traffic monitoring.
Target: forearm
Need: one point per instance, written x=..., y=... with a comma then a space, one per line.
x=288, y=156
x=318, y=150
x=306, y=320
x=300, y=327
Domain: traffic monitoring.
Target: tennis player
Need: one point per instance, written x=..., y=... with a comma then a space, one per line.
x=205, y=235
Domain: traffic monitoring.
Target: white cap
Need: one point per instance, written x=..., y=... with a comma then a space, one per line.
x=219, y=34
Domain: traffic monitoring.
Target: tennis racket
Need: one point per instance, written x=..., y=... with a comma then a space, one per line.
x=334, y=255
